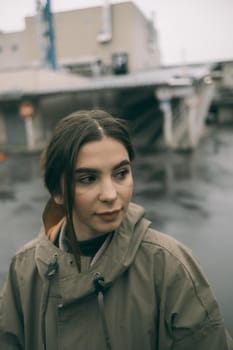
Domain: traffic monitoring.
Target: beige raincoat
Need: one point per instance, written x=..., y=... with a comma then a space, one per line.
x=145, y=291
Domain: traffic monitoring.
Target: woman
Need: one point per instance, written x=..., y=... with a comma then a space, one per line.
x=98, y=277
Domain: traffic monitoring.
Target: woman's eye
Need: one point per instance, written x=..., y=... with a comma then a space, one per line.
x=122, y=174
x=89, y=179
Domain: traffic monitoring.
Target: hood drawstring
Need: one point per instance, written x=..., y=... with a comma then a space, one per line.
x=49, y=275
x=100, y=288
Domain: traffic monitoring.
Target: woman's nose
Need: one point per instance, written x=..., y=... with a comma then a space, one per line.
x=108, y=191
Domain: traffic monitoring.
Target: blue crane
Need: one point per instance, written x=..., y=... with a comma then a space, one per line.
x=46, y=34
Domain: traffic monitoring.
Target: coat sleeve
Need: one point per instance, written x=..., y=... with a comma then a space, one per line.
x=190, y=317
x=11, y=318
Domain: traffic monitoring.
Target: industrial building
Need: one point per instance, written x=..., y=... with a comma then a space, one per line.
x=101, y=57
x=113, y=38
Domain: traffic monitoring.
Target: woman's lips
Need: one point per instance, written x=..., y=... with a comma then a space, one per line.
x=109, y=215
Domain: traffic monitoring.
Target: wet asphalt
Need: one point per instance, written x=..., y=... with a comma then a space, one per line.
x=188, y=195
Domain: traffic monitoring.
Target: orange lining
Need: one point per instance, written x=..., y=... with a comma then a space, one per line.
x=54, y=230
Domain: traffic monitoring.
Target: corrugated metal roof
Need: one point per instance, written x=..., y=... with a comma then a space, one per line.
x=43, y=81
x=37, y=81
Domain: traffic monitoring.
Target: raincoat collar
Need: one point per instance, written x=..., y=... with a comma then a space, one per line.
x=115, y=260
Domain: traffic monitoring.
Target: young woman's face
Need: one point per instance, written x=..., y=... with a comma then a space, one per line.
x=103, y=187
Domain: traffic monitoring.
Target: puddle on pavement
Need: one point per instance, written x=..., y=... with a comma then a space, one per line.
x=7, y=195
x=14, y=170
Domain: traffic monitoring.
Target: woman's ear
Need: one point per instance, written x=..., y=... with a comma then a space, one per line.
x=58, y=199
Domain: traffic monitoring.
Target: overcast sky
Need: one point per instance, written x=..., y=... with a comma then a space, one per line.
x=189, y=30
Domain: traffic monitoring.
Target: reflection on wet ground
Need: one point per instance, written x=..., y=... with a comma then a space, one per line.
x=187, y=195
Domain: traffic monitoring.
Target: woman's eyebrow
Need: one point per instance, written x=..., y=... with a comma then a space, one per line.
x=86, y=170
x=97, y=171
x=121, y=164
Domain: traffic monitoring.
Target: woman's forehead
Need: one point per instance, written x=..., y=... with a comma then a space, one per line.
x=98, y=153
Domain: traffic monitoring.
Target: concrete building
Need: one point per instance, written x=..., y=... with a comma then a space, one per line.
x=161, y=105
x=116, y=46
x=25, y=116
x=90, y=41
x=221, y=110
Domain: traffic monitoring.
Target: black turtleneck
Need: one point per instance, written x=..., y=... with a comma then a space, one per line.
x=90, y=247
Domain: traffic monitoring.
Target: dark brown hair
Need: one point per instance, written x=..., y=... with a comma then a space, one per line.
x=59, y=157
